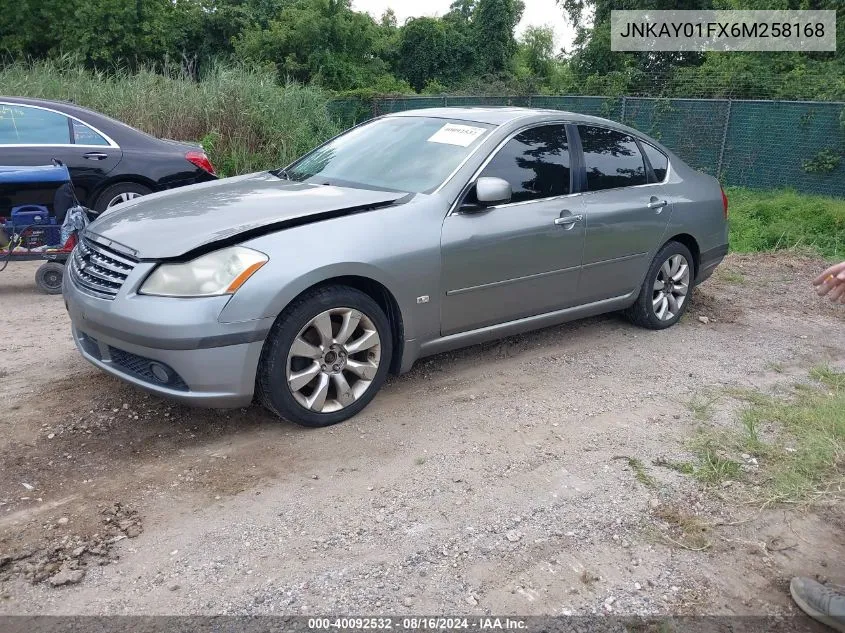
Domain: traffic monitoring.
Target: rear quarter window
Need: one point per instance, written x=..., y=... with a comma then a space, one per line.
x=84, y=135
x=659, y=161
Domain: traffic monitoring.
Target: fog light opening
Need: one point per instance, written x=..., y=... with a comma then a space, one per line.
x=160, y=372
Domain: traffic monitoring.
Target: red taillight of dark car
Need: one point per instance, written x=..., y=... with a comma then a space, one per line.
x=200, y=159
x=725, y=204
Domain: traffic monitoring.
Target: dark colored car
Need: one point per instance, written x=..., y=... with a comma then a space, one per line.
x=109, y=161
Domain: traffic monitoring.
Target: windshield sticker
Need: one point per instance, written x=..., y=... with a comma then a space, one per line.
x=453, y=134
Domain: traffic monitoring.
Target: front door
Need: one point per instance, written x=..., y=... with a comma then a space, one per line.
x=521, y=258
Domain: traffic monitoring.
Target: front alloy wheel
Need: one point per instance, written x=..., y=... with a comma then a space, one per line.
x=326, y=356
x=333, y=360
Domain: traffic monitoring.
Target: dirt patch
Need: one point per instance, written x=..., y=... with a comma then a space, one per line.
x=711, y=306
x=61, y=555
x=492, y=479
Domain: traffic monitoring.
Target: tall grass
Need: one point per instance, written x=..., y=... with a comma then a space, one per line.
x=775, y=220
x=243, y=117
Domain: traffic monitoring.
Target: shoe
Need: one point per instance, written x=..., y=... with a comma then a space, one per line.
x=819, y=602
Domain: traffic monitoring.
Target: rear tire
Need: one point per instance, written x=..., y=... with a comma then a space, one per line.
x=326, y=357
x=120, y=192
x=666, y=291
x=48, y=277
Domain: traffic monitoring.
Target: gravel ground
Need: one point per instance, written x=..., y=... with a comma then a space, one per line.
x=497, y=479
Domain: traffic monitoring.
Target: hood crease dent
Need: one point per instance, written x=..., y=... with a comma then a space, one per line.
x=181, y=224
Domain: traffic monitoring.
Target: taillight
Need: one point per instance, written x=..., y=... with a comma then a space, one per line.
x=200, y=159
x=725, y=204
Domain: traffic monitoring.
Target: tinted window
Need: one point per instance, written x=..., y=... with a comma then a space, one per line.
x=658, y=160
x=84, y=135
x=534, y=162
x=612, y=159
x=32, y=126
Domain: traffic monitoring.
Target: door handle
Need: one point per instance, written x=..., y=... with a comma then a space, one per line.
x=96, y=156
x=657, y=204
x=570, y=220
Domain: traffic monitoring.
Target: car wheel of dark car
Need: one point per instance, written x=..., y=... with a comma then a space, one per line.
x=326, y=357
x=48, y=277
x=121, y=192
x=665, y=293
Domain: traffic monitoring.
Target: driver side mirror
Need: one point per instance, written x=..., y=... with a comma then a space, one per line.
x=491, y=191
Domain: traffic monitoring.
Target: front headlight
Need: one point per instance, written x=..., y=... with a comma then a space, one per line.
x=219, y=273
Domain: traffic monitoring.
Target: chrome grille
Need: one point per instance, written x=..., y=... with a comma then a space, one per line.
x=99, y=270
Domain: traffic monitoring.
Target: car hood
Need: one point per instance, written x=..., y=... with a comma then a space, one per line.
x=186, y=221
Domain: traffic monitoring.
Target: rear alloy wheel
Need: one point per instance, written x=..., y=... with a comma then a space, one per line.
x=120, y=193
x=665, y=293
x=326, y=358
x=126, y=196
x=671, y=288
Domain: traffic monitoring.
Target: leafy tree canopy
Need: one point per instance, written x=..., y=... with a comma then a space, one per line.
x=470, y=49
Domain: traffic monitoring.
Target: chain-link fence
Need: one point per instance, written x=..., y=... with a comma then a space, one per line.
x=759, y=144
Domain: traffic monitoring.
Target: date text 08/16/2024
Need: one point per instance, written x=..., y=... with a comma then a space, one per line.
x=416, y=623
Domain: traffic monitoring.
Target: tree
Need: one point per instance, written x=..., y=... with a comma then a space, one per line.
x=433, y=50
x=388, y=19
x=111, y=32
x=460, y=11
x=493, y=23
x=537, y=50
x=27, y=27
x=324, y=41
x=592, y=55
x=101, y=32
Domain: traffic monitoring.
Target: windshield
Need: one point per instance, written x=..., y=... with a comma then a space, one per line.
x=413, y=154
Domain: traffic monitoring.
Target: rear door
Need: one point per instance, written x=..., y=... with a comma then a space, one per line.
x=627, y=211
x=32, y=135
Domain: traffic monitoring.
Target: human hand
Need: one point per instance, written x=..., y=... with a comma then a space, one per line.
x=832, y=283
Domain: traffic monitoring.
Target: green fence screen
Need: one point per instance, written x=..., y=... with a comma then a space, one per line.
x=758, y=144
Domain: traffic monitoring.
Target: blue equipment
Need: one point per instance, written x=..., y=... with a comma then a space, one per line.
x=27, y=197
x=43, y=231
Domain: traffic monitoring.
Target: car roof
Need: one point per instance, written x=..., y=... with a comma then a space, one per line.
x=507, y=115
x=60, y=106
x=501, y=115
x=123, y=134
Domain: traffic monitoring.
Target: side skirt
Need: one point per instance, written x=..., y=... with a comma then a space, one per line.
x=510, y=328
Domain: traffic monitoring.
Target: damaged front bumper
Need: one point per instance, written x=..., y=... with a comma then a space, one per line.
x=175, y=348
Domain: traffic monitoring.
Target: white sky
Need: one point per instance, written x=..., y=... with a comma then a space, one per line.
x=537, y=13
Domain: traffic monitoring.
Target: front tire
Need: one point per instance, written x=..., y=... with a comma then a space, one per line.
x=665, y=293
x=326, y=357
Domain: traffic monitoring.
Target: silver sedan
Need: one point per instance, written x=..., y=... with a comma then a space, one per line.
x=409, y=235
